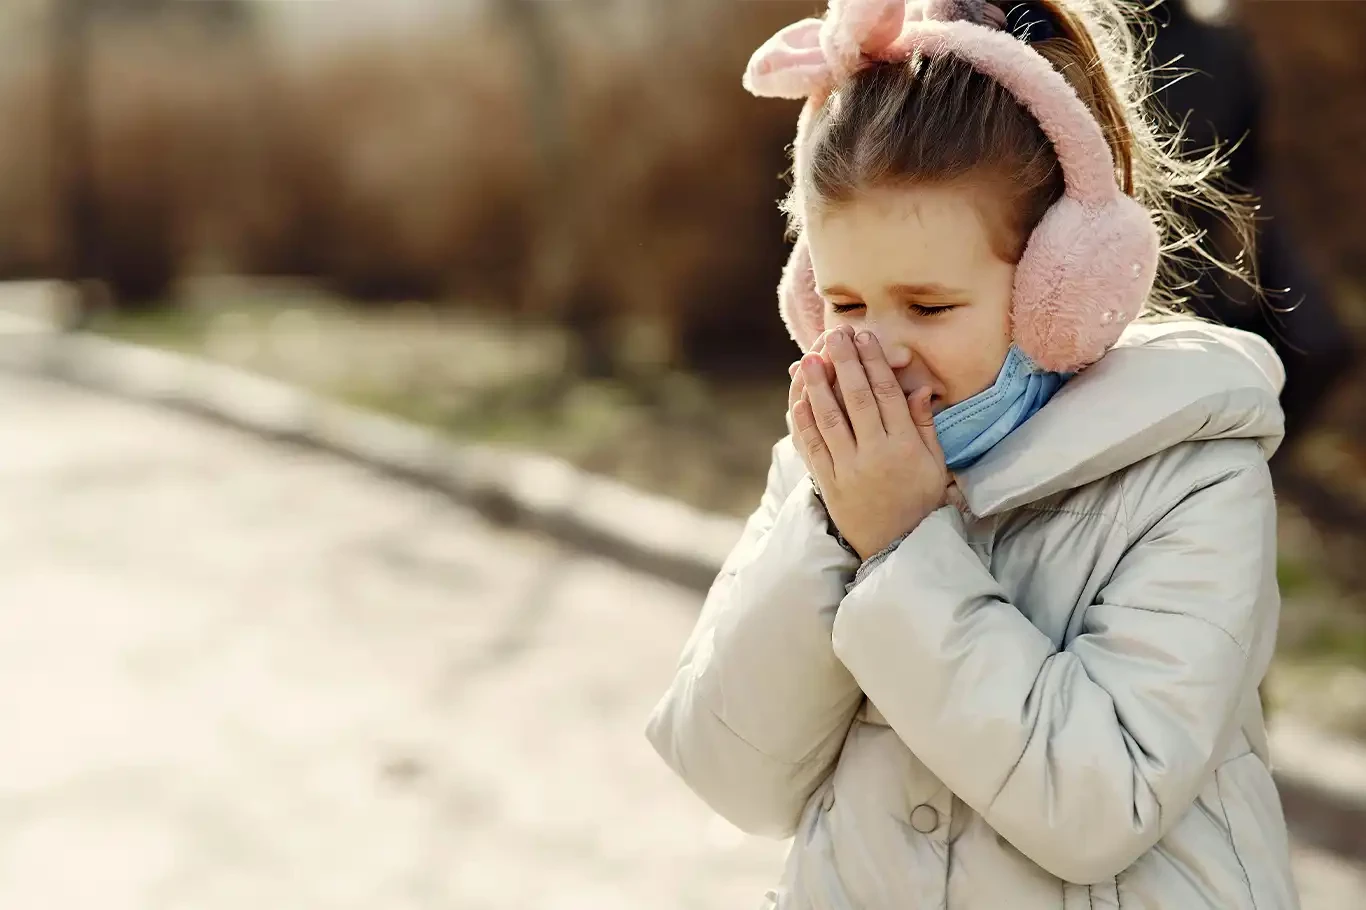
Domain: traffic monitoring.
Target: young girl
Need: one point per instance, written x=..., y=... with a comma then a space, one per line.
x=993, y=638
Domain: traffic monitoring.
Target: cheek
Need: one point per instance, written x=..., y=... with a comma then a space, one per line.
x=970, y=359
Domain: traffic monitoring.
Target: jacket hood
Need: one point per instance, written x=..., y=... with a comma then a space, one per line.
x=1164, y=383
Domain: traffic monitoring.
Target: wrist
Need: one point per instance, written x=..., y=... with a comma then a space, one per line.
x=872, y=545
x=830, y=527
x=868, y=547
x=868, y=550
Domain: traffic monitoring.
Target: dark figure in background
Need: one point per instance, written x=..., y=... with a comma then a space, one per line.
x=1224, y=101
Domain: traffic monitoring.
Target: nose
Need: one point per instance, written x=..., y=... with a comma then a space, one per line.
x=899, y=346
x=899, y=354
x=896, y=347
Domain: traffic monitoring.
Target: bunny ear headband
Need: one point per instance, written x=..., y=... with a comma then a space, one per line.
x=1088, y=267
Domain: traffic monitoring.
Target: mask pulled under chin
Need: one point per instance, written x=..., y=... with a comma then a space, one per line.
x=970, y=428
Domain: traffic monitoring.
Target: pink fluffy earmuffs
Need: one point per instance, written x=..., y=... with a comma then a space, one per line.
x=1089, y=265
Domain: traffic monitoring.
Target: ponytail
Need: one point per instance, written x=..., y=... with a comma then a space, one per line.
x=1075, y=55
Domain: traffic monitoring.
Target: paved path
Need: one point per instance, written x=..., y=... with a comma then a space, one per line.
x=237, y=675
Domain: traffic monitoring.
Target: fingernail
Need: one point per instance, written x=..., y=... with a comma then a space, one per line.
x=838, y=338
x=864, y=338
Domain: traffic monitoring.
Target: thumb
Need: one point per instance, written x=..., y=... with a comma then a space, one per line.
x=919, y=401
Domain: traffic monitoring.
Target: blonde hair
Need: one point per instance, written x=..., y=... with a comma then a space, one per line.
x=937, y=120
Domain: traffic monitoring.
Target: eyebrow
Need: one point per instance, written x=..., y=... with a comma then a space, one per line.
x=931, y=289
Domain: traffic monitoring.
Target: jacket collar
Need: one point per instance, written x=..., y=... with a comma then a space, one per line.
x=1164, y=383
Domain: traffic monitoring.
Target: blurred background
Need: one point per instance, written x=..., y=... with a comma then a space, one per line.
x=554, y=225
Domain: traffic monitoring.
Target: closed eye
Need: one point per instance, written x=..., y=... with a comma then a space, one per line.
x=918, y=309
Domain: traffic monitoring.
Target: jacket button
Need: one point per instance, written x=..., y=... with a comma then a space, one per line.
x=828, y=801
x=925, y=818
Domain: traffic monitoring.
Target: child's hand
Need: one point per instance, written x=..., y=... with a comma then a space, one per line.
x=798, y=387
x=872, y=451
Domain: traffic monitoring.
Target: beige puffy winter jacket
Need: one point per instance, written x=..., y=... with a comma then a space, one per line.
x=1047, y=702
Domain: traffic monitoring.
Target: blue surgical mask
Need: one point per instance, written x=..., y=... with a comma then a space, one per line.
x=969, y=429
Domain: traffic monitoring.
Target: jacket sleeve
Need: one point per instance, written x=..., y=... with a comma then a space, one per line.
x=1082, y=758
x=759, y=706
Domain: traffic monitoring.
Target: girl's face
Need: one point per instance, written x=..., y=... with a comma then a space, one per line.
x=916, y=268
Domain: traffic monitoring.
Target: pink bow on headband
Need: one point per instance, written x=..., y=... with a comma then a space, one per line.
x=810, y=57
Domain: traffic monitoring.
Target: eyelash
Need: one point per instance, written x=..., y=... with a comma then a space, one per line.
x=916, y=308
